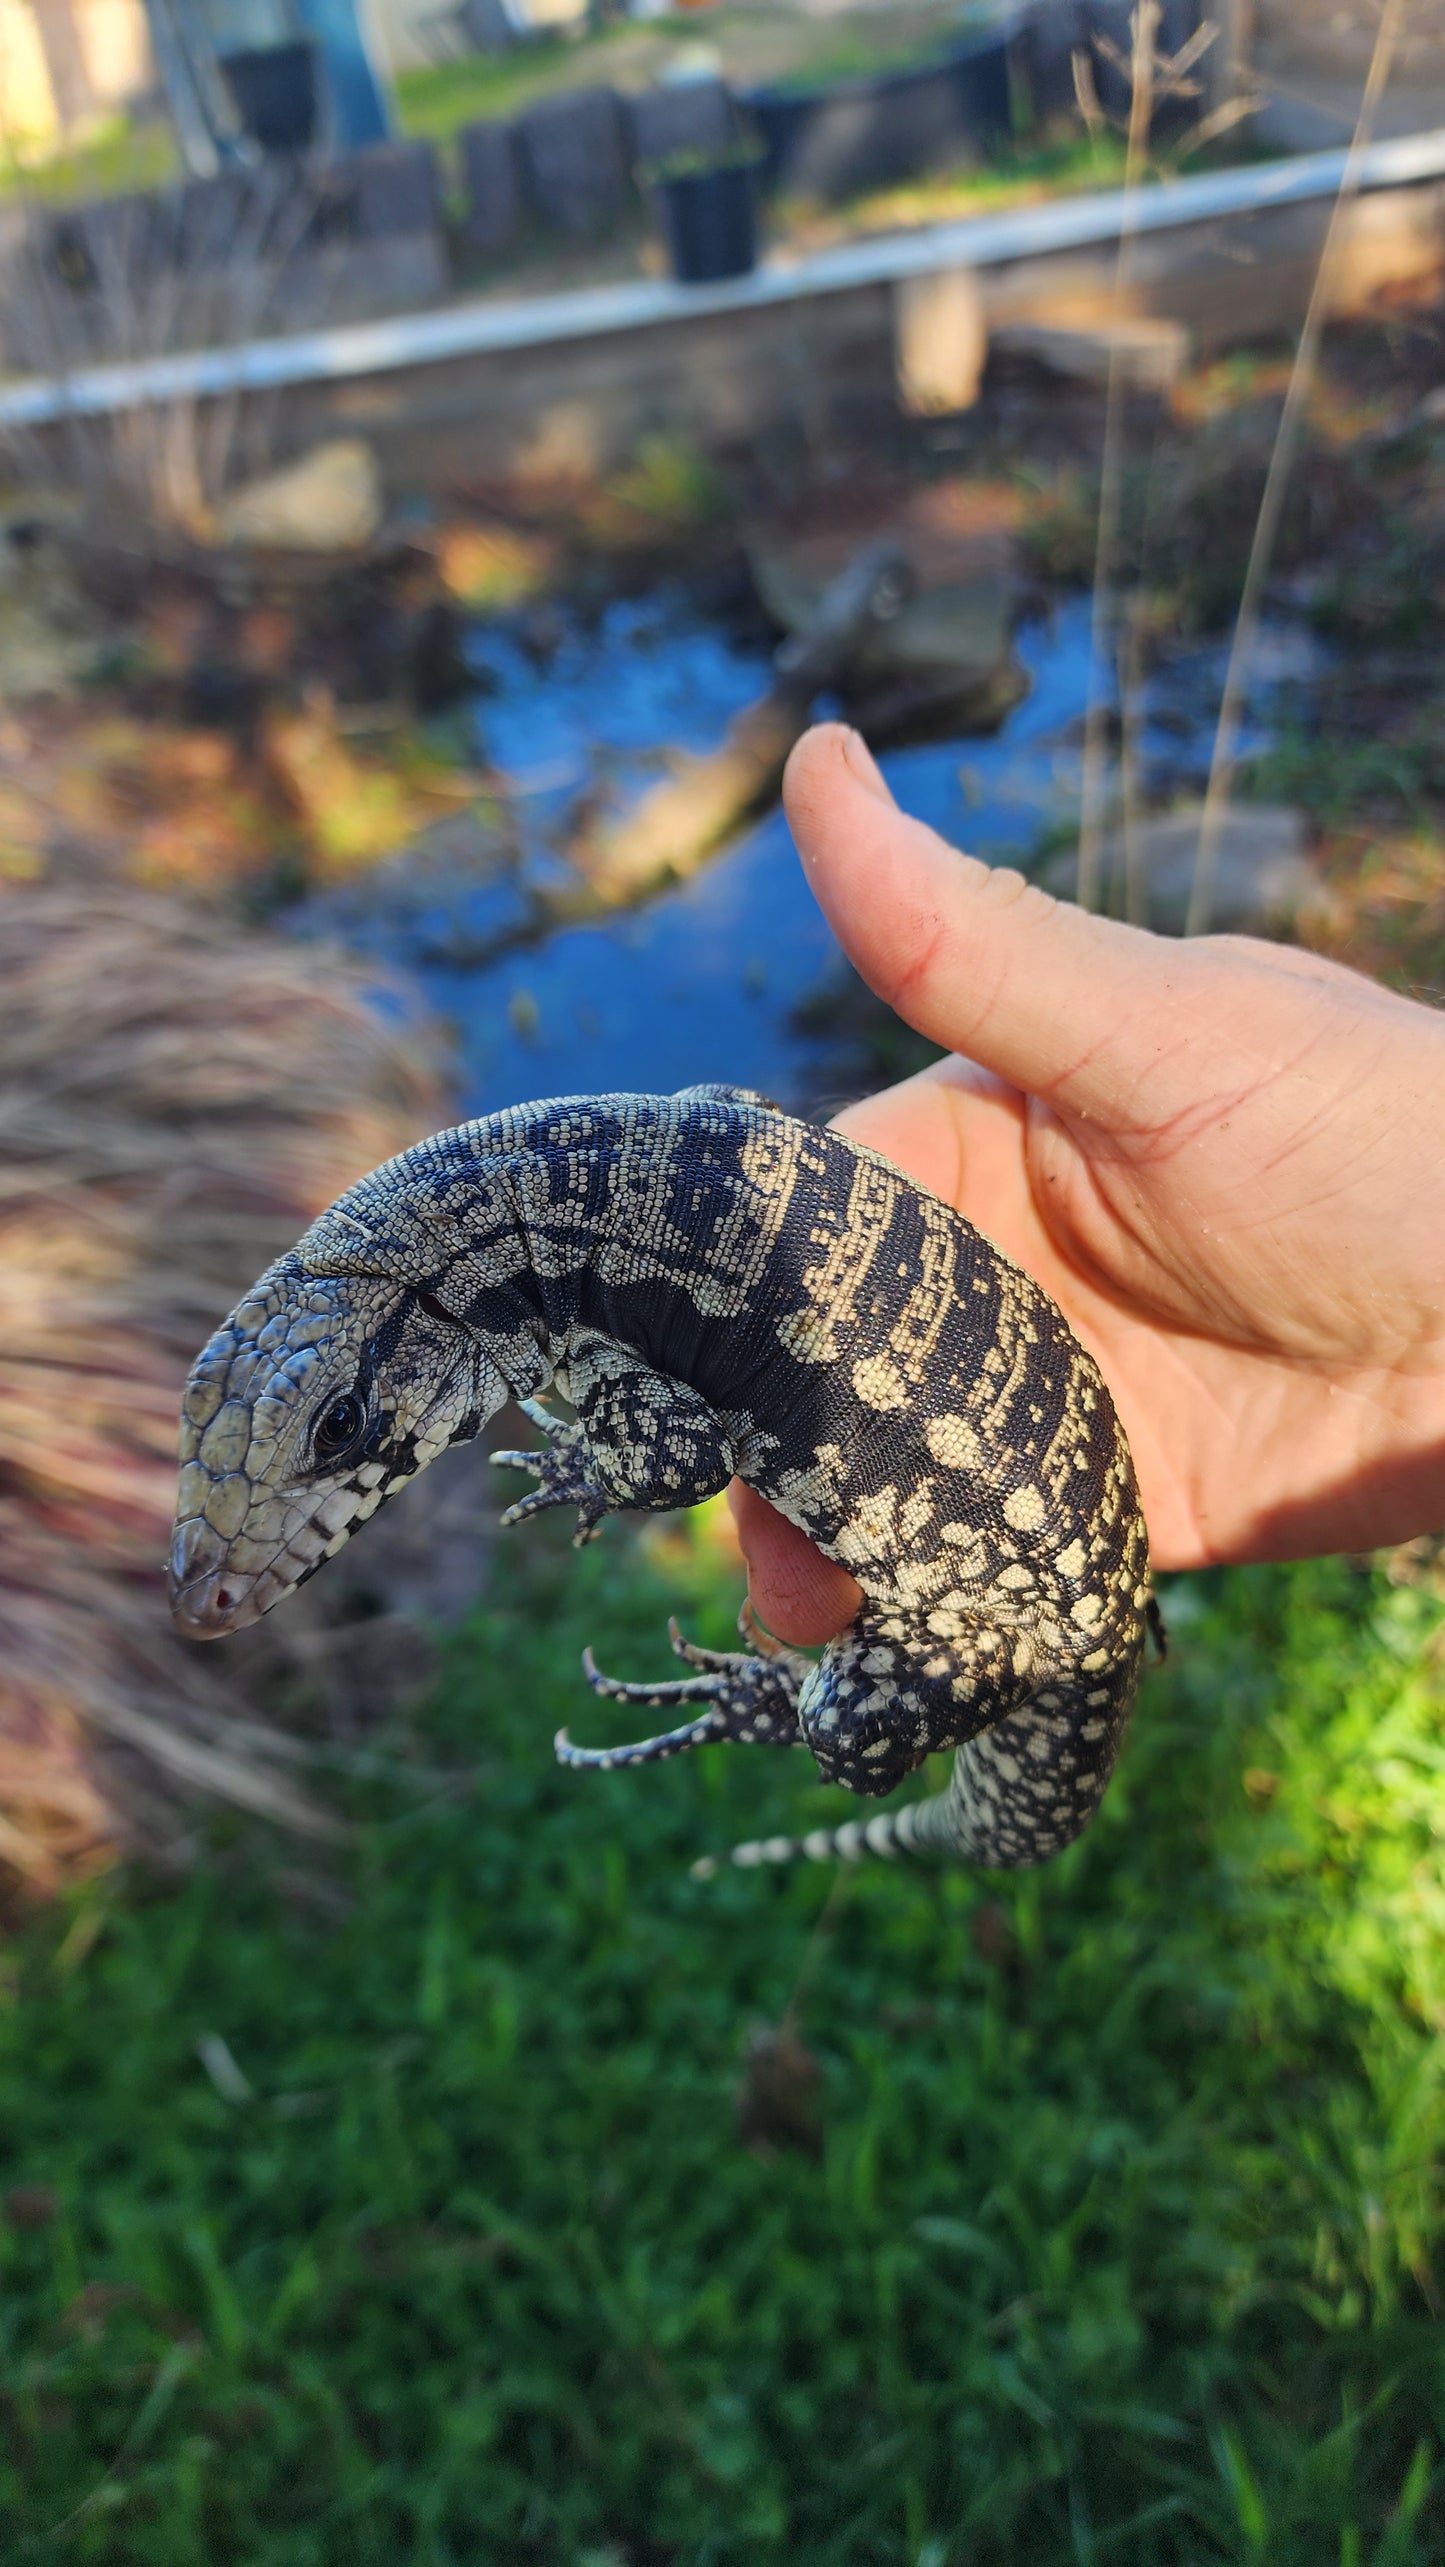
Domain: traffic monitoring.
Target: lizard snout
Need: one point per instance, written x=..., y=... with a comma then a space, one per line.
x=208, y=1598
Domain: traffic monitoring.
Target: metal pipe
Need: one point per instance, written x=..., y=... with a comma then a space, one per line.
x=480, y=328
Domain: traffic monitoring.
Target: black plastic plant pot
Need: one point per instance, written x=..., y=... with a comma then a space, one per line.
x=275, y=92
x=981, y=85
x=710, y=223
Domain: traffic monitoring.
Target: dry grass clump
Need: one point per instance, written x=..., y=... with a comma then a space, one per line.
x=176, y=1100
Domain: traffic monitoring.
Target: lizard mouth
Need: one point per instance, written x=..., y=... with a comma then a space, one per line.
x=214, y=1602
x=283, y=1544
x=211, y=1596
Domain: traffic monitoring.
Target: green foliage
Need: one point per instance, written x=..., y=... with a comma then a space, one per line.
x=869, y=52
x=123, y=155
x=672, y=489
x=673, y=166
x=1345, y=773
x=435, y=101
x=1118, y=2246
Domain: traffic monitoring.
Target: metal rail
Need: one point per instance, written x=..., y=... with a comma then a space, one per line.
x=494, y=326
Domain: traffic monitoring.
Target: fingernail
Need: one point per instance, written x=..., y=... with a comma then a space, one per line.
x=860, y=761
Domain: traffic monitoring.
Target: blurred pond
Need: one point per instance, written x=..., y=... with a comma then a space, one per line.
x=705, y=980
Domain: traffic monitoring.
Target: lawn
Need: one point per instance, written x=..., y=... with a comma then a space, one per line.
x=1100, y=2229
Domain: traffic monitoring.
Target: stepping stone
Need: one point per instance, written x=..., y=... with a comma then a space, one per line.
x=1263, y=881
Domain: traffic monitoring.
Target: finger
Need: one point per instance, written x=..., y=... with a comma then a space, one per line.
x=972, y=955
x=797, y=1595
x=952, y=1127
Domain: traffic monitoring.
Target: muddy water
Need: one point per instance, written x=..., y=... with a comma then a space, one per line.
x=703, y=982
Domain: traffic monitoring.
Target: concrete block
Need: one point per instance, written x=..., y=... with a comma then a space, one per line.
x=1047, y=42
x=940, y=339
x=396, y=188
x=337, y=281
x=492, y=178
x=682, y=116
x=575, y=161
x=236, y=215
x=876, y=133
x=1110, y=36
x=1151, y=353
x=328, y=501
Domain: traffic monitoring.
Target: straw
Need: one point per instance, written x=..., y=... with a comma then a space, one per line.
x=177, y=1099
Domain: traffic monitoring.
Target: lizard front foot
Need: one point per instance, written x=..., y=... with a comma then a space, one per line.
x=562, y=1471
x=751, y=1697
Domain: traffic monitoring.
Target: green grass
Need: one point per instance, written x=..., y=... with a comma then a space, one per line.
x=1118, y=2245
x=436, y=100
x=123, y=156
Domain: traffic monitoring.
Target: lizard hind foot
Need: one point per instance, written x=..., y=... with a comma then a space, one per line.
x=750, y=1700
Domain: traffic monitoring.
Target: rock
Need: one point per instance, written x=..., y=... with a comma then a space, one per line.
x=1152, y=353
x=685, y=816
x=940, y=338
x=329, y=502
x=949, y=648
x=1263, y=880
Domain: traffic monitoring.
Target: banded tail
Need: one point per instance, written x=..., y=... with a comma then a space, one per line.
x=913, y=1830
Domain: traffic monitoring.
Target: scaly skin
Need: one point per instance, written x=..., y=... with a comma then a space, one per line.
x=719, y=1290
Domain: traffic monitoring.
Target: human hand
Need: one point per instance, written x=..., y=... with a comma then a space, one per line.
x=1219, y=1157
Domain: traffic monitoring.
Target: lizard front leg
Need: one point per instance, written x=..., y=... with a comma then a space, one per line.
x=563, y=1472
x=640, y=1440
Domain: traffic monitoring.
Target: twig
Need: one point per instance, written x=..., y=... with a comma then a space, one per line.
x=1301, y=383
x=1145, y=25
x=824, y=1927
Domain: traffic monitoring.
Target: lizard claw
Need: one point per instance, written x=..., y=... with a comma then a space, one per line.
x=561, y=1473
x=556, y=1429
x=645, y=1751
x=750, y=1700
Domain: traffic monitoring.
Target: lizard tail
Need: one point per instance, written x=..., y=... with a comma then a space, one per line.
x=889, y=1833
x=1019, y=1791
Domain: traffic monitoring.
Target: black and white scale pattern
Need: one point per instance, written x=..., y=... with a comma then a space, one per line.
x=717, y=1288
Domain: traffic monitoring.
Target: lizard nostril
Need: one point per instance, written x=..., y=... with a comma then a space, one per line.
x=224, y=1600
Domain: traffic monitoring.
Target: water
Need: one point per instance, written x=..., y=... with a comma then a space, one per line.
x=703, y=982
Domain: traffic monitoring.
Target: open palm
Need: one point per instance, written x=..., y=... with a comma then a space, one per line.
x=1219, y=1157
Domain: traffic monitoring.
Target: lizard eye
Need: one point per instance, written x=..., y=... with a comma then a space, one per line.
x=338, y=1426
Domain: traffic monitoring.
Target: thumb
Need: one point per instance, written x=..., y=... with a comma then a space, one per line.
x=971, y=955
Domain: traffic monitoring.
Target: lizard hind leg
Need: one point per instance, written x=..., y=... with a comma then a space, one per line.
x=1020, y=1790
x=750, y=1697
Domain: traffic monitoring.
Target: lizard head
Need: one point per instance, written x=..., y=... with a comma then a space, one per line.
x=318, y=1397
